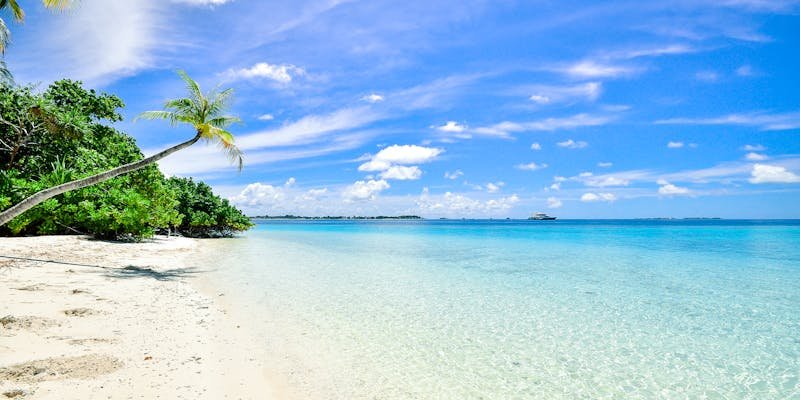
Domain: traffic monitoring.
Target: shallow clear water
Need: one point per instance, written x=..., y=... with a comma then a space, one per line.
x=524, y=310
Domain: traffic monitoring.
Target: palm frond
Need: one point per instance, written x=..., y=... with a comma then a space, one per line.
x=16, y=10
x=224, y=140
x=167, y=115
x=58, y=4
x=191, y=85
x=224, y=121
x=5, y=36
x=5, y=74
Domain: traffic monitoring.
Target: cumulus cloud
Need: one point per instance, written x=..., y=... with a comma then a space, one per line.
x=763, y=173
x=668, y=189
x=606, y=181
x=453, y=175
x=536, y=146
x=753, y=147
x=266, y=117
x=281, y=73
x=675, y=145
x=364, y=190
x=451, y=127
x=553, y=202
x=494, y=187
x=531, y=166
x=571, y=144
x=454, y=204
x=402, y=173
x=596, y=197
x=755, y=157
x=373, y=98
x=604, y=164
x=408, y=154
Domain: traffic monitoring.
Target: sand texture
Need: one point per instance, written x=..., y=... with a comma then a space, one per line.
x=118, y=321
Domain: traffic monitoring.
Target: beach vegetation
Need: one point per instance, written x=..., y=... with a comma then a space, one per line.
x=62, y=116
x=64, y=134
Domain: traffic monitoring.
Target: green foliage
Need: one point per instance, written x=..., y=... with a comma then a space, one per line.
x=205, y=214
x=61, y=135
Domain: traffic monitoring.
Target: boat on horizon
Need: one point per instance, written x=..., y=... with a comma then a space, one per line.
x=540, y=216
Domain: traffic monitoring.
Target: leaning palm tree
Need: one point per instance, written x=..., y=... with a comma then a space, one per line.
x=203, y=111
x=19, y=16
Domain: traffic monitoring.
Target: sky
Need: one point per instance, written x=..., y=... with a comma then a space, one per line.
x=458, y=109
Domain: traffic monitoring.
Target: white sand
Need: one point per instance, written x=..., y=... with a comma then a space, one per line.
x=100, y=331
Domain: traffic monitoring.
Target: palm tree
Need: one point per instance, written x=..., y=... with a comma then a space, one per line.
x=19, y=16
x=204, y=112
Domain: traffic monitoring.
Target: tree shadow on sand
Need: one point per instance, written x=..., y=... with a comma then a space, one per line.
x=133, y=271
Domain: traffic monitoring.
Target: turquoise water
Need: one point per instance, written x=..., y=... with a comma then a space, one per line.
x=524, y=310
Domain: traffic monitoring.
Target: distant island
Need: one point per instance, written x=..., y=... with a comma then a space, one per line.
x=335, y=217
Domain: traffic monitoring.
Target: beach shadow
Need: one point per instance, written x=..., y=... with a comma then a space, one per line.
x=133, y=271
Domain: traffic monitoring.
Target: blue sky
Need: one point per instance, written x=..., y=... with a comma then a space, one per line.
x=459, y=109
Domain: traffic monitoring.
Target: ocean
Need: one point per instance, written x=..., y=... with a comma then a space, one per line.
x=509, y=309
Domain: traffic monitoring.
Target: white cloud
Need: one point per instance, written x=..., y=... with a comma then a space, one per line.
x=402, y=173
x=536, y=146
x=391, y=160
x=540, y=99
x=668, y=189
x=605, y=164
x=555, y=186
x=592, y=69
x=763, y=173
x=745, y=70
x=98, y=42
x=452, y=127
x=283, y=73
x=506, y=128
x=453, y=175
x=259, y=194
x=531, y=166
x=706, y=76
x=408, y=154
x=454, y=204
x=374, y=165
x=571, y=144
x=364, y=190
x=588, y=91
x=674, y=145
x=606, y=181
x=761, y=120
x=290, y=182
x=373, y=98
x=266, y=117
x=652, y=52
x=753, y=147
x=559, y=179
x=594, y=197
x=755, y=157
x=309, y=129
x=494, y=187
x=553, y=202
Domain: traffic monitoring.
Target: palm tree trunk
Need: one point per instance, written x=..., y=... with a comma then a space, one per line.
x=45, y=194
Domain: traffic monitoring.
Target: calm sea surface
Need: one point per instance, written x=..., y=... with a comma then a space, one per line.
x=523, y=310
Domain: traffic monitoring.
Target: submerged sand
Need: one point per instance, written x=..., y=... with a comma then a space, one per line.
x=87, y=319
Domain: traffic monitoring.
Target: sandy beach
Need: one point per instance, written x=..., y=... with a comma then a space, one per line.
x=87, y=319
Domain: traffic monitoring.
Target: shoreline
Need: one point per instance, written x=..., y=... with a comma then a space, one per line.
x=121, y=320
